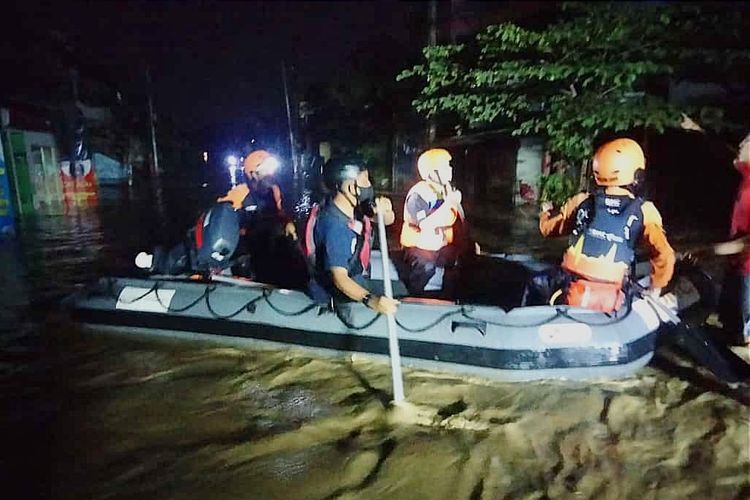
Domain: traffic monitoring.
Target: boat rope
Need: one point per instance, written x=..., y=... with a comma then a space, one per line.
x=266, y=294
x=559, y=312
x=440, y=319
x=352, y=326
x=206, y=292
x=249, y=306
x=110, y=289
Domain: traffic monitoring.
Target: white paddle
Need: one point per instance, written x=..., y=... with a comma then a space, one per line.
x=398, y=382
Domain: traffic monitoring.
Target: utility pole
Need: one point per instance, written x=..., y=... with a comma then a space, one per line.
x=292, y=144
x=152, y=120
x=432, y=41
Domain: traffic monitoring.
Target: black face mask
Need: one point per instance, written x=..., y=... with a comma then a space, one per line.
x=366, y=194
x=365, y=205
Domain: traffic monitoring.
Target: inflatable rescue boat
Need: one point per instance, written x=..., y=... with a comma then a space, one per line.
x=495, y=334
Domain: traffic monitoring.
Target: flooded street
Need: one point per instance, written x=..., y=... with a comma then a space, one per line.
x=98, y=414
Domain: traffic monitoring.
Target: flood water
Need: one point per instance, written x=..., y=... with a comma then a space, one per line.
x=101, y=415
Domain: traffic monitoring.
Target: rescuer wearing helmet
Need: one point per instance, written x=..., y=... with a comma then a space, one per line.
x=339, y=236
x=252, y=210
x=605, y=227
x=264, y=254
x=431, y=209
x=259, y=196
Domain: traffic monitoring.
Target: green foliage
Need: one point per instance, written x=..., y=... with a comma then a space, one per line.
x=600, y=68
x=557, y=188
x=376, y=157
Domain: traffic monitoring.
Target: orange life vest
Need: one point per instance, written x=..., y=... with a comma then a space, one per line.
x=429, y=201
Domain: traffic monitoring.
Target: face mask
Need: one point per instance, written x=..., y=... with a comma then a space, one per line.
x=365, y=205
x=366, y=194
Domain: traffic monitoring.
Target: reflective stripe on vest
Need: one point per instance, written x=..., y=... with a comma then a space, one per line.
x=261, y=200
x=607, y=228
x=411, y=234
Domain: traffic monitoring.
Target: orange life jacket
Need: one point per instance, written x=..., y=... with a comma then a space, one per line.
x=412, y=235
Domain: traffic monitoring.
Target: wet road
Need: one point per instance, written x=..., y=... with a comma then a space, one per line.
x=96, y=415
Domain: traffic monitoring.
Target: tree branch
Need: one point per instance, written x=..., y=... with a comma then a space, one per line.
x=608, y=91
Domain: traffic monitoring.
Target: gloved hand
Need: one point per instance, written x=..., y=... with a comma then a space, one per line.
x=546, y=206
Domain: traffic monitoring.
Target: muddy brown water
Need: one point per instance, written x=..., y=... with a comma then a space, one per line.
x=101, y=415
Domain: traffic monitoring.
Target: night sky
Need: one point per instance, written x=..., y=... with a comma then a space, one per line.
x=216, y=64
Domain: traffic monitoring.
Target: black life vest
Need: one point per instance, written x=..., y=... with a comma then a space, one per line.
x=260, y=203
x=604, y=220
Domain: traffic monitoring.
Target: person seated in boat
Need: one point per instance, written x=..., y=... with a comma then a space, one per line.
x=207, y=247
x=264, y=247
x=604, y=228
x=268, y=251
x=259, y=197
x=338, y=237
x=432, y=211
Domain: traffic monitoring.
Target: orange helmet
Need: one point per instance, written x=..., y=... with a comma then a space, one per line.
x=616, y=163
x=432, y=160
x=253, y=161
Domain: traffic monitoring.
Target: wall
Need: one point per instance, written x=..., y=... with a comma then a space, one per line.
x=34, y=175
x=14, y=144
x=44, y=174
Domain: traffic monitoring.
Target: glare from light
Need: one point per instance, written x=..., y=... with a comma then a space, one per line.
x=232, y=161
x=268, y=166
x=205, y=156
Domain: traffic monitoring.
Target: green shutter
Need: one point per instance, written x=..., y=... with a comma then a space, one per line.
x=18, y=167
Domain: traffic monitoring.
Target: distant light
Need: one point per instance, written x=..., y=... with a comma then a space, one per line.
x=205, y=156
x=252, y=141
x=232, y=161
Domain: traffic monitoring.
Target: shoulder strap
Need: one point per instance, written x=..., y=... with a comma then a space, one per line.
x=309, y=231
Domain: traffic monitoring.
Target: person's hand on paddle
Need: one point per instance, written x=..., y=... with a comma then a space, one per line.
x=383, y=304
x=383, y=205
x=290, y=231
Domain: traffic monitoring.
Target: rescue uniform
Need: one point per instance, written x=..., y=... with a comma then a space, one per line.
x=605, y=230
x=335, y=240
x=271, y=258
x=426, y=250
